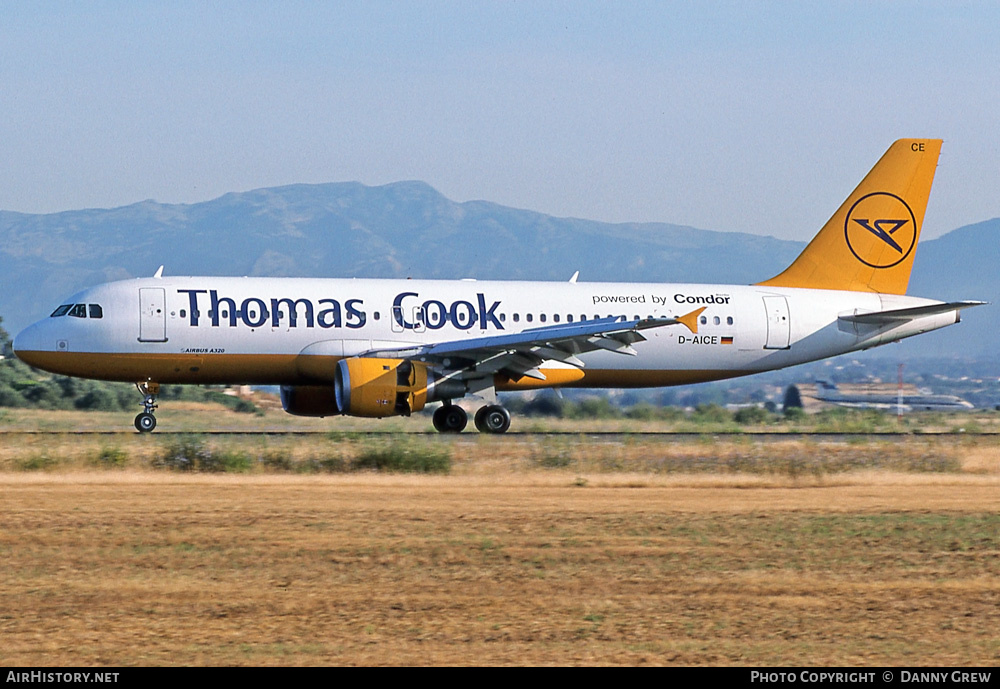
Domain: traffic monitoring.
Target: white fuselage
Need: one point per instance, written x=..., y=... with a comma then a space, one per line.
x=291, y=331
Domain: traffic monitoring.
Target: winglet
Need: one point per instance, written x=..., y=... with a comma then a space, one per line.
x=690, y=320
x=158, y=273
x=575, y=276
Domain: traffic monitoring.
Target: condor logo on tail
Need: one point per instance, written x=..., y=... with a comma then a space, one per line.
x=880, y=230
x=868, y=245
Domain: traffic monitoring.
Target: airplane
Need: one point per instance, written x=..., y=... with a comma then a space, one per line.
x=378, y=348
x=893, y=401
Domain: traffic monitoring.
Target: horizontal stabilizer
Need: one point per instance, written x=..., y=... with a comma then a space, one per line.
x=898, y=315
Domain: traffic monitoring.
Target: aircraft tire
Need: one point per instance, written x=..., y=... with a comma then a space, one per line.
x=480, y=420
x=145, y=422
x=450, y=419
x=493, y=419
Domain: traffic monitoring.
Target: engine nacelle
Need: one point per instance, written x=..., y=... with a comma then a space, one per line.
x=309, y=400
x=373, y=388
x=389, y=387
x=379, y=387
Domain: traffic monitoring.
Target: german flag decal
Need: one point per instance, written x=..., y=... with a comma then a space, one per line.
x=727, y=340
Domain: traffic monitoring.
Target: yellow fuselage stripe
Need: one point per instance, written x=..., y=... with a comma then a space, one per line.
x=287, y=369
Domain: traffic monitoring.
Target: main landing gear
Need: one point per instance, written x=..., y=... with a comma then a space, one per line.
x=451, y=418
x=146, y=422
x=492, y=419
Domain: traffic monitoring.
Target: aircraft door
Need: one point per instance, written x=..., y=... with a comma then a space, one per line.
x=778, y=325
x=417, y=320
x=152, y=314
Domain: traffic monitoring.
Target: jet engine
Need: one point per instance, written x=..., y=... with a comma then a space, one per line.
x=389, y=387
x=373, y=388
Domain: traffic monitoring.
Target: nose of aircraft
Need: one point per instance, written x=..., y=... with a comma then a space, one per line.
x=30, y=342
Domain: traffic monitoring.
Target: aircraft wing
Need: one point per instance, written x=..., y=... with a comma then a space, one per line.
x=520, y=354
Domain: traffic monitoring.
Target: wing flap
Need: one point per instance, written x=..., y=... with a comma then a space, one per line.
x=521, y=354
x=574, y=337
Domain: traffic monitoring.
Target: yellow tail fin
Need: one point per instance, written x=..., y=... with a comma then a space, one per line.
x=869, y=243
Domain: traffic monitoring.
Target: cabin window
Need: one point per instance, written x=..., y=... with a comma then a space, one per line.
x=704, y=320
x=517, y=317
x=542, y=318
x=78, y=311
x=503, y=318
x=61, y=311
x=569, y=318
x=529, y=317
x=377, y=316
x=729, y=320
x=183, y=313
x=716, y=320
x=555, y=318
x=96, y=311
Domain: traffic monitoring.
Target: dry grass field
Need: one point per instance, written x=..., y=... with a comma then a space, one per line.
x=559, y=551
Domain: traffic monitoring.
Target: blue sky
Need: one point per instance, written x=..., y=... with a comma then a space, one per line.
x=732, y=116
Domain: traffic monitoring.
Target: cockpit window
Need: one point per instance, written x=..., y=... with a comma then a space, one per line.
x=78, y=311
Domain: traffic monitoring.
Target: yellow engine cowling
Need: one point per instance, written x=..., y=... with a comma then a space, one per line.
x=380, y=387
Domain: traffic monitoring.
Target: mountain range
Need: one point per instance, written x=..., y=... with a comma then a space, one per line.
x=408, y=229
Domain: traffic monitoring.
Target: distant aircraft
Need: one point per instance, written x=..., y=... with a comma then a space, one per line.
x=892, y=401
x=380, y=348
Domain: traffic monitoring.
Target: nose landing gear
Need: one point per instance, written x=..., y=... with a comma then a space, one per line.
x=146, y=422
